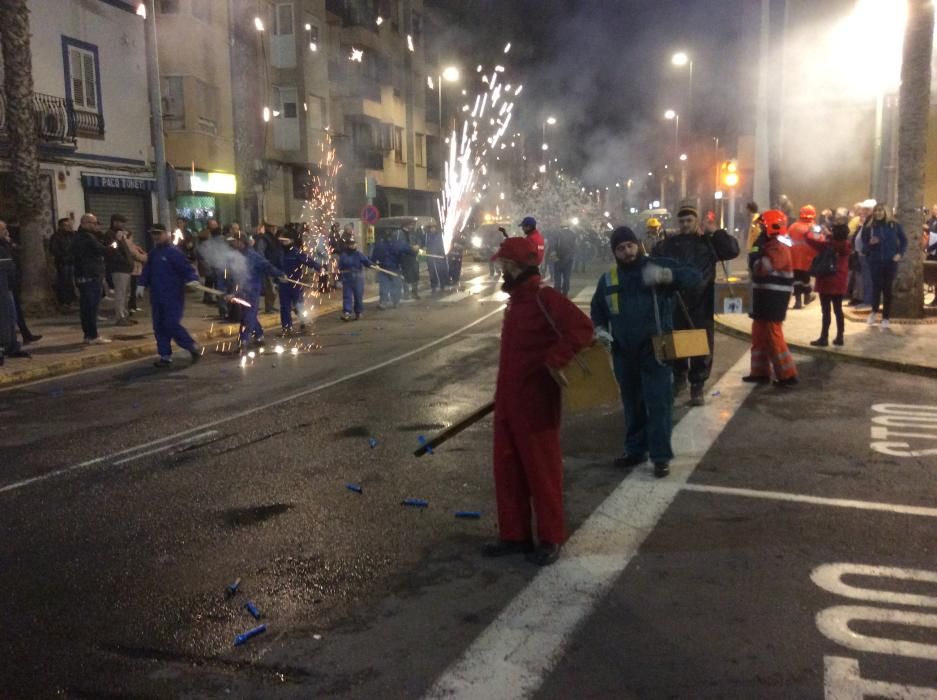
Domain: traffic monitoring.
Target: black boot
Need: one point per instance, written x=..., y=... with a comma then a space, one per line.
x=503, y=548
x=696, y=395
x=820, y=342
x=545, y=554
x=838, y=340
x=629, y=461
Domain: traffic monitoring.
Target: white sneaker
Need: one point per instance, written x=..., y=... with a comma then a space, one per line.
x=872, y=320
x=885, y=324
x=98, y=341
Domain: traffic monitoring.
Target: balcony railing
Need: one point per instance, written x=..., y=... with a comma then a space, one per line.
x=56, y=119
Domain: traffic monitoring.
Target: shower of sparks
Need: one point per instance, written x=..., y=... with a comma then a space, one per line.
x=410, y=42
x=460, y=176
x=356, y=55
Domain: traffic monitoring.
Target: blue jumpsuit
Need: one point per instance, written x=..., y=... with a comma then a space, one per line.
x=250, y=289
x=438, y=266
x=292, y=260
x=624, y=306
x=351, y=264
x=165, y=274
x=388, y=254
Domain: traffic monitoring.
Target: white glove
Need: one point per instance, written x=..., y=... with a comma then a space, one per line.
x=655, y=274
x=140, y=291
x=604, y=337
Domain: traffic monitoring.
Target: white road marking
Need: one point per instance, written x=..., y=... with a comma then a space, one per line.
x=815, y=500
x=164, y=448
x=513, y=655
x=844, y=682
x=107, y=459
x=829, y=577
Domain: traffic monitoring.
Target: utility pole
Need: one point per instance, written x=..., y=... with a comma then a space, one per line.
x=156, y=113
x=761, y=184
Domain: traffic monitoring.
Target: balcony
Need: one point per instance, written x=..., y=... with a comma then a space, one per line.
x=57, y=121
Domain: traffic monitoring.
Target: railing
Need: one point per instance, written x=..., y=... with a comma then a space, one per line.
x=56, y=119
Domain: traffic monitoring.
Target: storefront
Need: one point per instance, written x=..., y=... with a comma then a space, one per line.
x=201, y=196
x=106, y=195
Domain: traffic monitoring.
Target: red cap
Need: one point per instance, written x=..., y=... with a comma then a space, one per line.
x=808, y=213
x=520, y=250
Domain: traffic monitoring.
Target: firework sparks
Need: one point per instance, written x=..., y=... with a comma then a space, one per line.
x=356, y=55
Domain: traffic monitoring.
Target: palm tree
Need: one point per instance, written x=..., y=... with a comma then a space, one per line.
x=24, y=151
x=912, y=153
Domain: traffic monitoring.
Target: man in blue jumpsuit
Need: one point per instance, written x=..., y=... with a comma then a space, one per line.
x=389, y=253
x=291, y=259
x=351, y=264
x=626, y=319
x=251, y=286
x=166, y=274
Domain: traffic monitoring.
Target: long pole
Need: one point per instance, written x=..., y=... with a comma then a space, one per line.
x=156, y=112
x=762, y=177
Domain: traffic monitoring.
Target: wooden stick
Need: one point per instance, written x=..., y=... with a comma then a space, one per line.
x=386, y=272
x=455, y=429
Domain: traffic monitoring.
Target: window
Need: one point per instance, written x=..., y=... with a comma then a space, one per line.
x=173, y=102
x=82, y=76
x=208, y=107
x=285, y=120
x=201, y=9
x=315, y=112
x=398, y=145
x=283, y=16
x=168, y=7
x=418, y=149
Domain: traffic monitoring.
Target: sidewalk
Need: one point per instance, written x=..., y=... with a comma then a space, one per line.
x=905, y=347
x=61, y=350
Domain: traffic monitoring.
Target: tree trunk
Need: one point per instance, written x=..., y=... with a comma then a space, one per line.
x=24, y=152
x=912, y=154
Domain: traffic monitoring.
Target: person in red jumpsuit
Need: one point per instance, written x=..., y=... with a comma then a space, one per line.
x=541, y=333
x=802, y=255
x=529, y=227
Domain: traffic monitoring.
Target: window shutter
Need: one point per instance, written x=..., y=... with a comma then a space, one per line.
x=91, y=92
x=76, y=72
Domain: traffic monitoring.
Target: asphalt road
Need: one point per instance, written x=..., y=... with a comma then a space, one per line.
x=131, y=498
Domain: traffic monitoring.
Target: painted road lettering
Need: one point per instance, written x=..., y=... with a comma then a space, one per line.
x=896, y=426
x=842, y=677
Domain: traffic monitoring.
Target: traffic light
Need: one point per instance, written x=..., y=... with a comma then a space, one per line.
x=730, y=173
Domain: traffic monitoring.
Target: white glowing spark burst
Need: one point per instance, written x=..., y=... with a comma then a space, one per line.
x=507, y=48
x=356, y=55
x=258, y=24
x=410, y=42
x=176, y=237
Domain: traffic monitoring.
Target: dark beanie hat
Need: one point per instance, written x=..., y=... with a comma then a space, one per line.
x=622, y=234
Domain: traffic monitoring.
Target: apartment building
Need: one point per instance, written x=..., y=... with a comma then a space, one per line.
x=198, y=121
x=92, y=112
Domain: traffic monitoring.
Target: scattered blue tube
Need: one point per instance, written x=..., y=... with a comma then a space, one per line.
x=252, y=609
x=250, y=634
x=415, y=502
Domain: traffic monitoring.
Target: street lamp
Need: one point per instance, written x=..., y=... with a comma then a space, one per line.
x=671, y=115
x=551, y=120
x=681, y=59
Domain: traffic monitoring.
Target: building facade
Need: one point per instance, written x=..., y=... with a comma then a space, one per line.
x=92, y=112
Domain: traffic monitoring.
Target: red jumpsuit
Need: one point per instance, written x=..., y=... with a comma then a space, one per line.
x=528, y=461
x=772, y=278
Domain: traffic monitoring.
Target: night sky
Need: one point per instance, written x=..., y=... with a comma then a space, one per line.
x=603, y=68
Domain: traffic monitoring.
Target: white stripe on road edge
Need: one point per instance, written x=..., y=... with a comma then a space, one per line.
x=513, y=655
x=236, y=416
x=164, y=448
x=814, y=500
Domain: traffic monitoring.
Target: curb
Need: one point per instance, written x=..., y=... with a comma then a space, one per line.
x=130, y=352
x=876, y=362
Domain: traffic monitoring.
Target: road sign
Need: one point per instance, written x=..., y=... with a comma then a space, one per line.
x=370, y=214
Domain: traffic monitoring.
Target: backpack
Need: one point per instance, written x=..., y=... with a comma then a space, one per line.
x=825, y=263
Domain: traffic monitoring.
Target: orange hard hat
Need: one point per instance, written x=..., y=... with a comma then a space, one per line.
x=774, y=222
x=808, y=212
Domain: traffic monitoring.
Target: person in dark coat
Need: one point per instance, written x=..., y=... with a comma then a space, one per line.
x=267, y=245
x=119, y=265
x=703, y=249
x=250, y=286
x=884, y=243
x=629, y=302
x=10, y=250
x=436, y=261
x=832, y=287
x=563, y=255
x=9, y=343
x=88, y=250
x=60, y=247
x=166, y=273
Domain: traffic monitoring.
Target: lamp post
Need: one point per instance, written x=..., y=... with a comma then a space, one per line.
x=671, y=115
x=681, y=59
x=450, y=74
x=551, y=120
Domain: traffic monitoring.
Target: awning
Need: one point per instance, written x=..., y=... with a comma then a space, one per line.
x=116, y=182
